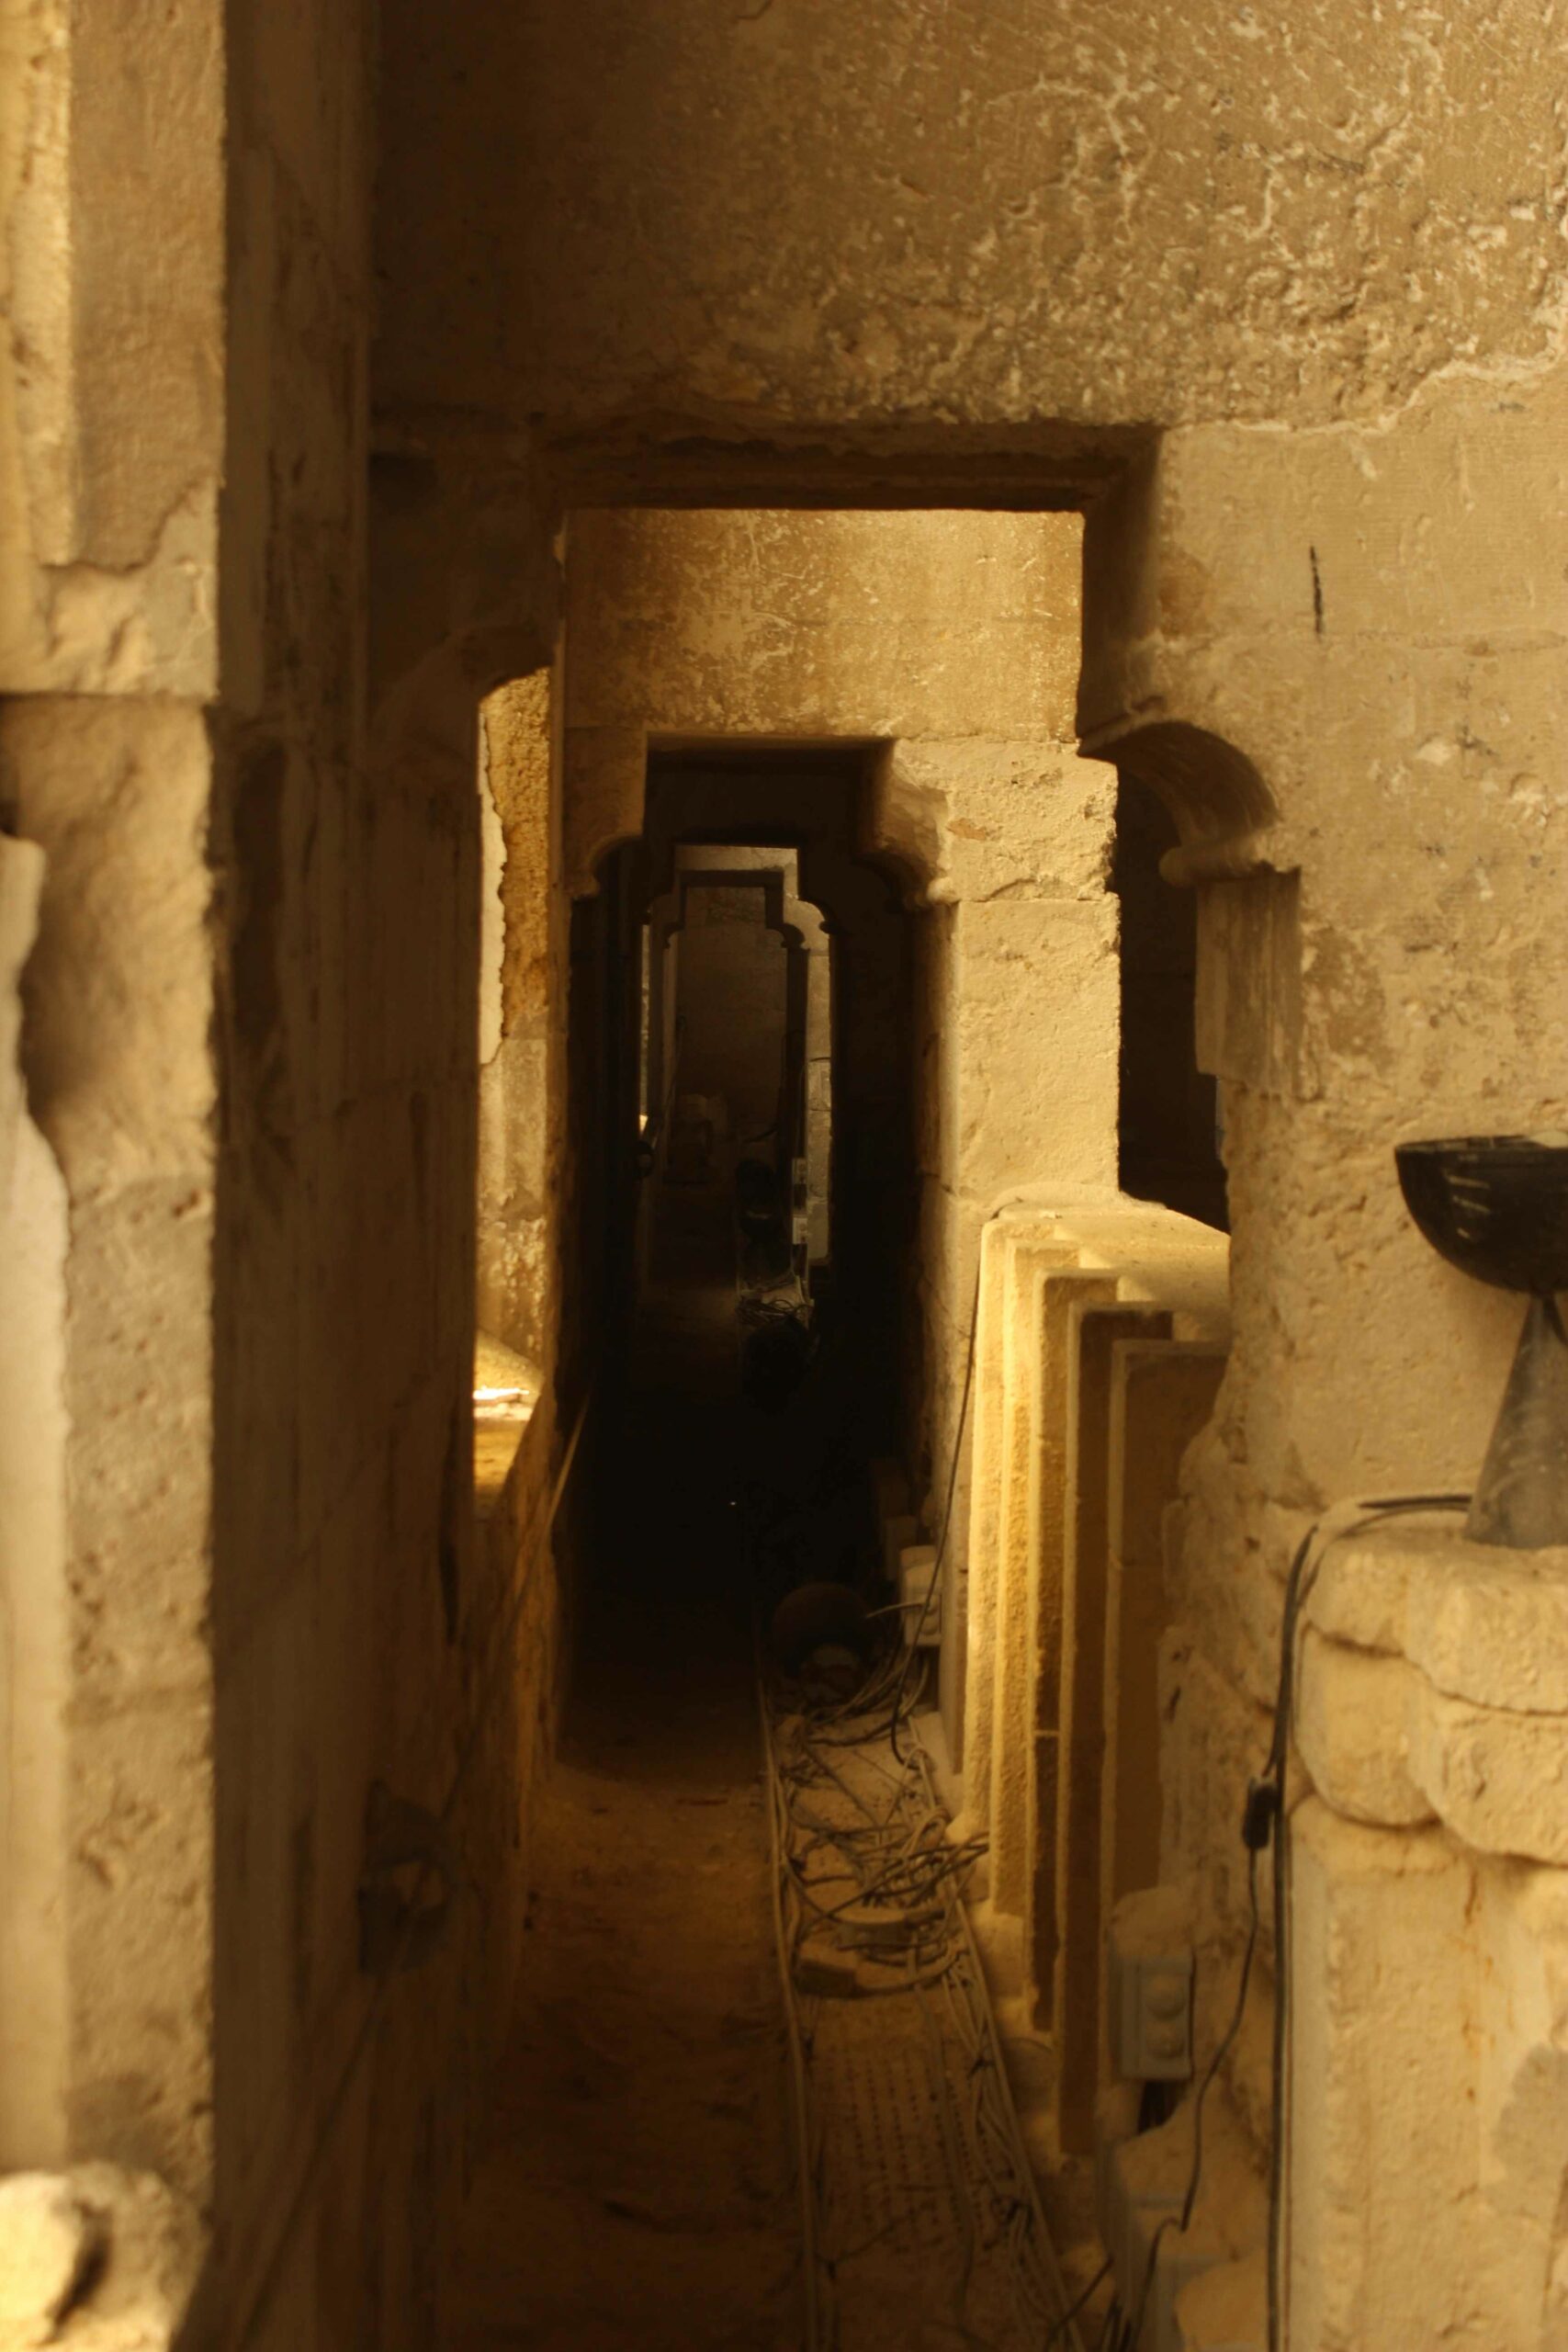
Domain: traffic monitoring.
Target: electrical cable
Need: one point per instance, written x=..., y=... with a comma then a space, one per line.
x=1081, y=2303
x=957, y=1455
x=901, y=1862
x=801, y=2098
x=1267, y=1798
x=1265, y=1820
x=1112, y=2333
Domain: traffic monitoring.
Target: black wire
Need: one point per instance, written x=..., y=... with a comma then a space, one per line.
x=1112, y=2334
x=1222, y=2049
x=1298, y=1589
x=1064, y=2322
x=1259, y=1825
x=931, y=1589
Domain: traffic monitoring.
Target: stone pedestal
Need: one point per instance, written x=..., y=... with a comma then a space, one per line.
x=1427, y=2099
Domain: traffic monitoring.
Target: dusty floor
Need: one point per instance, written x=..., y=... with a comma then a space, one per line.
x=638, y=2187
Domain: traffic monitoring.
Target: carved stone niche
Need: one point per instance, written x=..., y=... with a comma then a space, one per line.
x=1233, y=850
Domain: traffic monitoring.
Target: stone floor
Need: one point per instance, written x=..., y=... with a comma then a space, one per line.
x=637, y=2190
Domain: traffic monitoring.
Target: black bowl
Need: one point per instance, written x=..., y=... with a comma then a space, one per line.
x=1496, y=1207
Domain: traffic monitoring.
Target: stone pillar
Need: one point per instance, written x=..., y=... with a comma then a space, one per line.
x=1021, y=1057
x=1028, y=1250
x=1094, y=1336
x=1426, y=2105
x=1163, y=1392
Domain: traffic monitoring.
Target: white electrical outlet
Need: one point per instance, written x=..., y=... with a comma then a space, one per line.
x=1150, y=2012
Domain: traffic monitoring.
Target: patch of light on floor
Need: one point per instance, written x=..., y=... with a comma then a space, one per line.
x=506, y=1390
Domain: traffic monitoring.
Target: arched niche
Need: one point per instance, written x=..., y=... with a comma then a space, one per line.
x=1230, y=850
x=1223, y=811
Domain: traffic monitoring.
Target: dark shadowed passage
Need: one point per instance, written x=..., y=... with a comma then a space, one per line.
x=635, y=2188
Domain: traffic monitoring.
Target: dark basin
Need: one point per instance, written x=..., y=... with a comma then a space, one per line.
x=1496, y=1207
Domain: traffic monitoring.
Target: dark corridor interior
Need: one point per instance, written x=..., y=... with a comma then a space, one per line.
x=1167, y=1108
x=636, y=2189
x=641, y=2189
x=641, y=2184
x=750, y=801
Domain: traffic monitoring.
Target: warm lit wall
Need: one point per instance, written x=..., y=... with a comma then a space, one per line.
x=942, y=213
x=520, y=1111
x=109, y=656
x=1369, y=615
x=241, y=1236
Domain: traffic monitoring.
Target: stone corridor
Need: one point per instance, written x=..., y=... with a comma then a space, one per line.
x=1019, y=554
x=634, y=2190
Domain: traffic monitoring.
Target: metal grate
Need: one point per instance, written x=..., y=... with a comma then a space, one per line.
x=923, y=2225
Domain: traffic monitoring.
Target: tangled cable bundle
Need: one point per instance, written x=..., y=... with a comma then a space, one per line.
x=869, y=1881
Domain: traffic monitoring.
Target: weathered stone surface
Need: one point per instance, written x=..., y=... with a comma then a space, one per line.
x=47, y=2240
x=1425, y=2015
x=1481, y=1623
x=1383, y=1746
x=1355, y=1716
x=1285, y=295
x=964, y=216
x=109, y=468
x=96, y=2258
x=1383, y=1972
x=1162, y=1394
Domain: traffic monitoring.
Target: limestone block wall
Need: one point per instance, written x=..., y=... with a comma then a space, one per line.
x=1377, y=958
x=1429, y=1876
x=108, y=652
x=111, y=473
x=116, y=1000
x=366, y=1635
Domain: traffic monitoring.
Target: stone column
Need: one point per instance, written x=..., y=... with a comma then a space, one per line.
x=1425, y=2100
x=1017, y=1047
